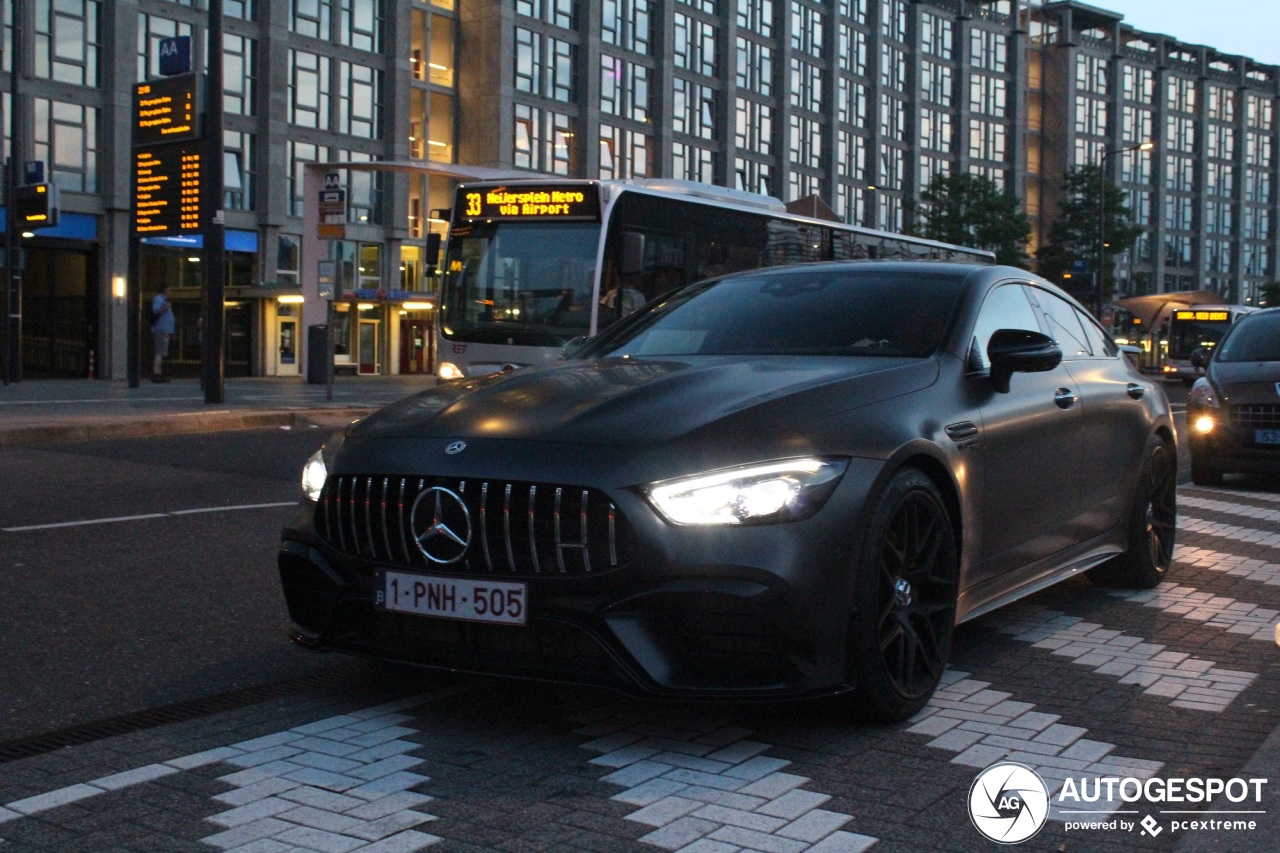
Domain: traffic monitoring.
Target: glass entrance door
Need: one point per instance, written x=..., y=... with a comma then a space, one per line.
x=288, y=348
x=368, y=347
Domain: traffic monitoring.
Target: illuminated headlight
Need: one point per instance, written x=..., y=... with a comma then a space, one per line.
x=448, y=370
x=314, y=473
x=786, y=490
x=1204, y=424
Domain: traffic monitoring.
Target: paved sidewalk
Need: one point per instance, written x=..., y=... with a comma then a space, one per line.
x=47, y=411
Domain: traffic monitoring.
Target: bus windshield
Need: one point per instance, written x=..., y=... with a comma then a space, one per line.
x=528, y=284
x=1186, y=336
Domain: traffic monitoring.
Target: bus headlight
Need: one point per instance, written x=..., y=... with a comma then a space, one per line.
x=786, y=490
x=449, y=371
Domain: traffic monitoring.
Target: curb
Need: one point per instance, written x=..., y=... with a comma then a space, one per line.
x=178, y=423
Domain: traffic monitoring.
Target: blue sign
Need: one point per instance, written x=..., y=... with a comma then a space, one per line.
x=1079, y=265
x=33, y=172
x=175, y=56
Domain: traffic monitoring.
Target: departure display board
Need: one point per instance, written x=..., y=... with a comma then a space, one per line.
x=1210, y=316
x=167, y=186
x=164, y=110
x=529, y=202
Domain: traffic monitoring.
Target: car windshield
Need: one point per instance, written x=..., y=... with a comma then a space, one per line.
x=1253, y=338
x=806, y=311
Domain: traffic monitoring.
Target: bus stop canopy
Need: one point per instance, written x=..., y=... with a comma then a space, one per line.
x=1154, y=308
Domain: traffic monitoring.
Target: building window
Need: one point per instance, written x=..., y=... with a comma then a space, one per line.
x=360, y=25
x=238, y=71
x=560, y=13
x=695, y=45
x=753, y=126
x=806, y=29
x=624, y=153
x=624, y=88
x=693, y=163
x=66, y=138
x=238, y=171
x=67, y=41
x=312, y=18
x=544, y=66
x=756, y=16
x=300, y=154
x=359, y=100
x=545, y=140
x=754, y=66
x=309, y=89
x=627, y=24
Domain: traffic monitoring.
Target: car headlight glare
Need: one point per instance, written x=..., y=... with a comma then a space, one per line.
x=1205, y=424
x=314, y=473
x=786, y=490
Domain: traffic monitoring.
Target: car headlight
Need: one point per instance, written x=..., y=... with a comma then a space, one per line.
x=314, y=473
x=1203, y=395
x=448, y=371
x=786, y=490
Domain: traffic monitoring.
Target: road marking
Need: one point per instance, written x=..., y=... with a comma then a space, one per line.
x=985, y=726
x=117, y=519
x=1250, y=568
x=1188, y=682
x=1217, y=611
x=1188, y=524
x=701, y=783
x=1230, y=508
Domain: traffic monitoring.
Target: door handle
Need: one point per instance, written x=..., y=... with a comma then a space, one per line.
x=1135, y=391
x=1065, y=398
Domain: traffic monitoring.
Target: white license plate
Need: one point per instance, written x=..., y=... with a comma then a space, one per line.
x=452, y=598
x=1267, y=436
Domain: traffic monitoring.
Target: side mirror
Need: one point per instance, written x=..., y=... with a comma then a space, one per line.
x=1200, y=357
x=1013, y=351
x=573, y=347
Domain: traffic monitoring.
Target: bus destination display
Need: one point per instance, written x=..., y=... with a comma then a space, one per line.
x=1210, y=316
x=541, y=201
x=164, y=110
x=167, y=184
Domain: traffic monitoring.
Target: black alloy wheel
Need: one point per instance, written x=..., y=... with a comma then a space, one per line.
x=900, y=637
x=1153, y=523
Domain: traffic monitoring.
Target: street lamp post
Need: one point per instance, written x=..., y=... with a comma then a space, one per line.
x=1098, y=286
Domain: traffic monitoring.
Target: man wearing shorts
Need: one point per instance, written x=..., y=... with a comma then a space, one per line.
x=161, y=330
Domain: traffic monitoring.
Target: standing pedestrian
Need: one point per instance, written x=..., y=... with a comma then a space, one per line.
x=163, y=326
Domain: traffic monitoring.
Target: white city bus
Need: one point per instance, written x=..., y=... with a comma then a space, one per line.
x=1192, y=328
x=530, y=265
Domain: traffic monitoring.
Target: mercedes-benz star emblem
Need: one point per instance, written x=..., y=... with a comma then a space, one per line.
x=440, y=524
x=455, y=447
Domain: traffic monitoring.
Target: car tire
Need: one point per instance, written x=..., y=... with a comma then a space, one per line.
x=904, y=602
x=1203, y=474
x=1152, y=523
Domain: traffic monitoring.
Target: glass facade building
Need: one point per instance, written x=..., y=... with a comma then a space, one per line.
x=858, y=102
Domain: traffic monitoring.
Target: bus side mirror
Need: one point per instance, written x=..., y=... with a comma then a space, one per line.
x=1200, y=357
x=433, y=249
x=632, y=261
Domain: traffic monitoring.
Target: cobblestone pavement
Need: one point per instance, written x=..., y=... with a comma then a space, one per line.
x=1079, y=683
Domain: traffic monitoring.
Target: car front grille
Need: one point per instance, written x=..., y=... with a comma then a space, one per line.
x=1256, y=416
x=517, y=529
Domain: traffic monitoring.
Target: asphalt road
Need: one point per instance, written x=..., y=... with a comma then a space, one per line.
x=160, y=584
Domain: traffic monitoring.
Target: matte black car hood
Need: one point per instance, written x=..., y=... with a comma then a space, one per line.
x=1247, y=381
x=636, y=401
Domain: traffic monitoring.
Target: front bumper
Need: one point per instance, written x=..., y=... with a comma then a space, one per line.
x=1229, y=448
x=751, y=611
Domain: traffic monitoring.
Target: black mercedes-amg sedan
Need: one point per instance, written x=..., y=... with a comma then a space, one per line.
x=1233, y=411
x=781, y=483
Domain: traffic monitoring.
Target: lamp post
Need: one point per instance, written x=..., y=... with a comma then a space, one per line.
x=1102, y=214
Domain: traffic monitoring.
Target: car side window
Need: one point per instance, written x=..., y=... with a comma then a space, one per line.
x=1006, y=307
x=1064, y=325
x=1099, y=341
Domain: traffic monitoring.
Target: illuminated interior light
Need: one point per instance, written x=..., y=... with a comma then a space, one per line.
x=290, y=299
x=366, y=306
x=418, y=306
x=118, y=287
